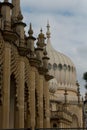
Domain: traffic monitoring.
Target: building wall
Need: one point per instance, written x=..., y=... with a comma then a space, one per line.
x=31, y=90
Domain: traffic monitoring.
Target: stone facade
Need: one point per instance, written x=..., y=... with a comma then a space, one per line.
x=24, y=100
x=24, y=93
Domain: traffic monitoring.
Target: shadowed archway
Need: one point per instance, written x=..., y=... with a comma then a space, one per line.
x=12, y=102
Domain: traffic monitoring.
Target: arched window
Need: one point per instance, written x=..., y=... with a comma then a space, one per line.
x=60, y=66
x=65, y=67
x=74, y=122
x=49, y=66
x=54, y=66
x=54, y=125
x=69, y=67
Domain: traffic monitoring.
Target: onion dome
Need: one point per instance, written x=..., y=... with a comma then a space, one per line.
x=62, y=68
x=41, y=35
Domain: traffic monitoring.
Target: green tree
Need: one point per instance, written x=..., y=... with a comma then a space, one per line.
x=85, y=78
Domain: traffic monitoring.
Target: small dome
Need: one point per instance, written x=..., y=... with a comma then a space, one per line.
x=53, y=85
x=41, y=35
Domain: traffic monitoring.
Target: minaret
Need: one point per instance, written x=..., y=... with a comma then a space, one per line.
x=6, y=8
x=48, y=30
x=49, y=45
x=40, y=45
x=16, y=9
x=45, y=59
x=30, y=40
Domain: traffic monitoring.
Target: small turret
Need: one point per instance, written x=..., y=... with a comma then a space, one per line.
x=41, y=39
x=6, y=14
x=30, y=40
x=15, y=10
x=40, y=45
x=19, y=28
x=45, y=59
x=48, y=30
x=19, y=17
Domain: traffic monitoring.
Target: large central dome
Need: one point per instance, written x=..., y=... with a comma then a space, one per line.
x=62, y=68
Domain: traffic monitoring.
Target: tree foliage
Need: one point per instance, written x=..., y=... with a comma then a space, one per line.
x=85, y=78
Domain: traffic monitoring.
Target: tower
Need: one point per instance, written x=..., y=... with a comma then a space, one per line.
x=16, y=9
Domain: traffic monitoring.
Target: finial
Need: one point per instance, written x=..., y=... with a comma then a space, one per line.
x=65, y=91
x=20, y=16
x=30, y=32
x=41, y=30
x=48, y=30
x=41, y=35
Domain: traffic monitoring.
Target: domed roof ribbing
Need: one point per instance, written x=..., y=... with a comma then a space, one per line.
x=61, y=67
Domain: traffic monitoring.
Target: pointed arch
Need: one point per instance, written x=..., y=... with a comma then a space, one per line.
x=74, y=122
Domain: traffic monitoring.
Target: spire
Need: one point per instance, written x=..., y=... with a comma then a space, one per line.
x=41, y=39
x=20, y=16
x=16, y=9
x=48, y=30
x=30, y=32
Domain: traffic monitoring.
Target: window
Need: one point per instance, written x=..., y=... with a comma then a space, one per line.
x=65, y=67
x=54, y=125
x=69, y=67
x=60, y=67
x=54, y=66
x=49, y=66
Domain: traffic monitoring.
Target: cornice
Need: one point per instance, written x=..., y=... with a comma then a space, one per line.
x=19, y=23
x=23, y=51
x=34, y=62
x=6, y=4
x=10, y=35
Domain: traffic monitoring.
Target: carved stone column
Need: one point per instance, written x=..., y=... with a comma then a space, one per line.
x=40, y=101
x=32, y=97
x=1, y=75
x=21, y=92
x=6, y=86
x=47, y=106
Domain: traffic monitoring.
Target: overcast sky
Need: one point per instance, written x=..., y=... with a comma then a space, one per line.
x=68, y=25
